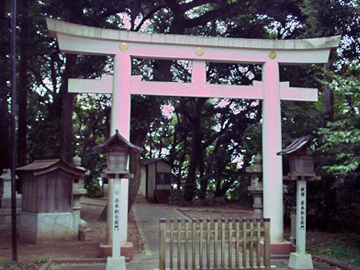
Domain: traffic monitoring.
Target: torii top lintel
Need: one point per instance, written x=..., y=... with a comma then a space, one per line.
x=80, y=39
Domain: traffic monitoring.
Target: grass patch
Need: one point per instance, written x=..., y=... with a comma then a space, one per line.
x=35, y=264
x=345, y=247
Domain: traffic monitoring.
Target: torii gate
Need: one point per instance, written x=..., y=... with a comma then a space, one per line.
x=124, y=45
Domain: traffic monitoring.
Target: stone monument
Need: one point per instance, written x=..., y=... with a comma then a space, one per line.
x=5, y=200
x=256, y=188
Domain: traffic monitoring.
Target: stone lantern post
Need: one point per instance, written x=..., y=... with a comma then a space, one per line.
x=78, y=192
x=5, y=200
x=117, y=150
x=256, y=188
x=301, y=171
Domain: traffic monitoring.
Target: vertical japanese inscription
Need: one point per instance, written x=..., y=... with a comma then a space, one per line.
x=302, y=208
x=116, y=206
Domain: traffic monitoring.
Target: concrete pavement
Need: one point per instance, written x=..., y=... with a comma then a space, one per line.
x=147, y=218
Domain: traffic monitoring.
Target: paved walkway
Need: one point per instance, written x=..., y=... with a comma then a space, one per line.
x=147, y=217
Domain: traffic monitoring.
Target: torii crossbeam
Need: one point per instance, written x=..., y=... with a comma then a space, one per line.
x=125, y=45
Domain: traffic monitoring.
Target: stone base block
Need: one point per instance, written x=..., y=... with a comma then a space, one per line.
x=126, y=250
x=6, y=202
x=300, y=261
x=116, y=263
x=6, y=218
x=35, y=228
x=5, y=227
x=281, y=248
x=278, y=250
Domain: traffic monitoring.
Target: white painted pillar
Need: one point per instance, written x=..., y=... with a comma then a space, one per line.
x=198, y=72
x=121, y=98
x=271, y=144
x=120, y=119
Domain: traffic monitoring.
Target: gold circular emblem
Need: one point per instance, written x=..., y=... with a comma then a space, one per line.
x=123, y=46
x=200, y=51
x=272, y=54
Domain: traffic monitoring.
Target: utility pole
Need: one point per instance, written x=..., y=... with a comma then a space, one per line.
x=13, y=131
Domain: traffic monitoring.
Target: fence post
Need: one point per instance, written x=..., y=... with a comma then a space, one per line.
x=216, y=231
x=201, y=244
x=179, y=243
x=244, y=244
x=258, y=242
x=230, y=245
x=222, y=242
x=267, y=243
x=208, y=235
x=237, y=248
x=193, y=243
x=171, y=243
x=186, y=243
x=251, y=220
x=162, y=255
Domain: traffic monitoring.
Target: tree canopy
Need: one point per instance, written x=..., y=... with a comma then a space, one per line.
x=210, y=142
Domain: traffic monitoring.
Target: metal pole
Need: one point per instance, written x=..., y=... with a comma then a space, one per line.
x=13, y=130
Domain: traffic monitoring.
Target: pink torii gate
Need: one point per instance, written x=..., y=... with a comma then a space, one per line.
x=125, y=45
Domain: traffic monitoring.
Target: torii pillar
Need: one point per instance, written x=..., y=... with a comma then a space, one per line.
x=124, y=45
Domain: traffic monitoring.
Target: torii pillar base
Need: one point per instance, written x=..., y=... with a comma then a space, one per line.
x=116, y=263
x=300, y=261
x=279, y=250
x=127, y=250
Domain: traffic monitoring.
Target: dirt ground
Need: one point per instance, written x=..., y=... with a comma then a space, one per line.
x=97, y=235
x=34, y=256
x=79, y=249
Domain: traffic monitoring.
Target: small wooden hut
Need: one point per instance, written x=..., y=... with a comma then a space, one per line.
x=47, y=201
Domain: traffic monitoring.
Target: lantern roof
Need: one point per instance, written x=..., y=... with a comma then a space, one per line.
x=298, y=146
x=149, y=161
x=256, y=167
x=116, y=141
x=43, y=166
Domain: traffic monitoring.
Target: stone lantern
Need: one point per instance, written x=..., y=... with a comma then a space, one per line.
x=117, y=150
x=78, y=192
x=301, y=170
x=256, y=188
x=5, y=200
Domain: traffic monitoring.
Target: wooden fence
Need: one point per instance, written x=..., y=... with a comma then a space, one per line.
x=211, y=245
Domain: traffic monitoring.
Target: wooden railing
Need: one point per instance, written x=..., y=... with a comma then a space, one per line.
x=232, y=244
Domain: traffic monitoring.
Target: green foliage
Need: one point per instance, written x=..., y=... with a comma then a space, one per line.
x=209, y=141
x=176, y=197
x=93, y=187
x=35, y=264
x=341, y=138
x=342, y=246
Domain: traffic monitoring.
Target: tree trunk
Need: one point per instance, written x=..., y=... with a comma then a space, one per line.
x=205, y=180
x=189, y=189
x=138, y=138
x=328, y=93
x=67, y=103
